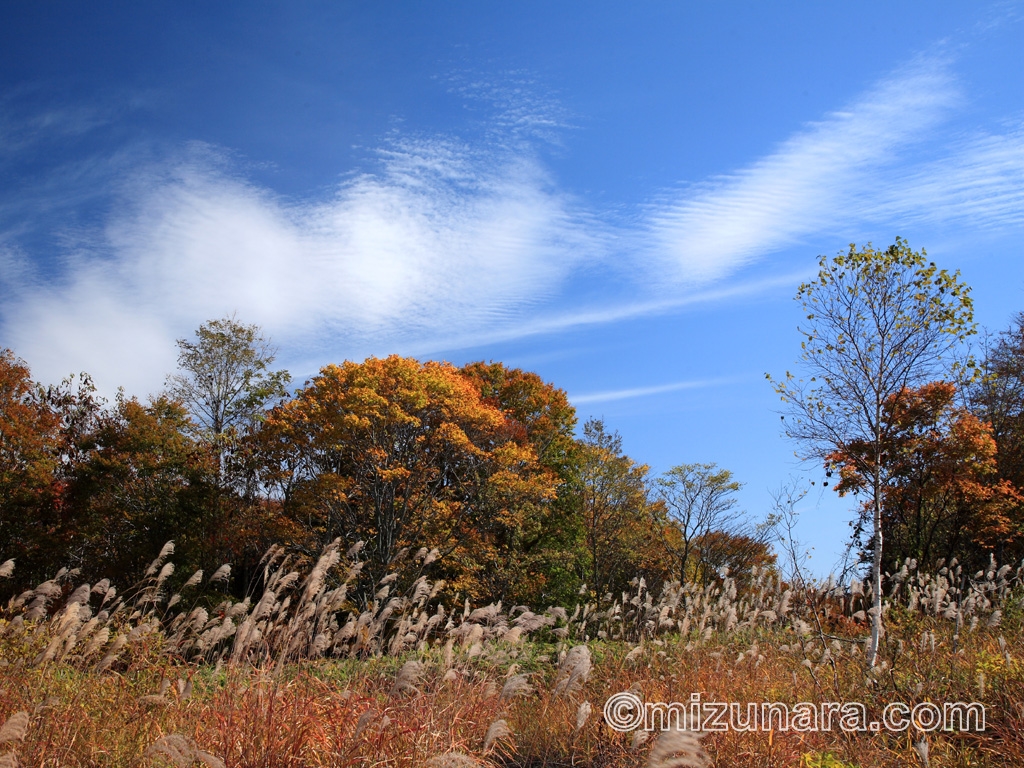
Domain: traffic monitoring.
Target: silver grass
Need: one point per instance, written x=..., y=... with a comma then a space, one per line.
x=96, y=642
x=362, y=723
x=517, y=685
x=166, y=551
x=452, y=760
x=112, y=653
x=9, y=760
x=485, y=615
x=407, y=678
x=355, y=549
x=513, y=636
x=181, y=752
x=558, y=613
x=221, y=574
x=573, y=671
x=80, y=595
x=471, y=634
x=921, y=747
x=184, y=688
x=15, y=728
x=582, y=714
x=421, y=589
x=287, y=581
x=498, y=730
x=531, y=622
x=678, y=749
x=165, y=573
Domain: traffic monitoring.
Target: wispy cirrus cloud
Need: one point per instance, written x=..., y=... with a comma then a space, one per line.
x=804, y=187
x=657, y=389
x=449, y=243
x=978, y=180
x=441, y=236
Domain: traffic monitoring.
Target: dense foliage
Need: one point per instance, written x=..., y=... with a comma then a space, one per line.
x=479, y=467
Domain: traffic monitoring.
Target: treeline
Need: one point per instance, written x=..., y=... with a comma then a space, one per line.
x=474, y=474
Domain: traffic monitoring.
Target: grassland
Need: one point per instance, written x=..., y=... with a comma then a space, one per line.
x=300, y=676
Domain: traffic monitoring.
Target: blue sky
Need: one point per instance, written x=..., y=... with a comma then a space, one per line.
x=621, y=197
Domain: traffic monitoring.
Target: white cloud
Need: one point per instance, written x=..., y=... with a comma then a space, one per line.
x=807, y=185
x=449, y=244
x=634, y=392
x=440, y=238
x=981, y=182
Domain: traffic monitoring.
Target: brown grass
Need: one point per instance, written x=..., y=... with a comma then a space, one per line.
x=300, y=677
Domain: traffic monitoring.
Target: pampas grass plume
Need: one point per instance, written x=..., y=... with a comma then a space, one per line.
x=452, y=760
x=407, y=678
x=15, y=727
x=582, y=714
x=498, y=730
x=182, y=752
x=573, y=671
x=166, y=551
x=921, y=747
x=517, y=685
x=678, y=749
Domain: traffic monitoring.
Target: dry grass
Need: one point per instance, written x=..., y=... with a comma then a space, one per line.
x=300, y=677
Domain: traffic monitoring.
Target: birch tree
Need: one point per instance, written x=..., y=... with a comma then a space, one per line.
x=878, y=323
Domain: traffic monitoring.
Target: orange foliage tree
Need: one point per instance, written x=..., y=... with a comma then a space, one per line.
x=944, y=497
x=29, y=456
x=401, y=454
x=41, y=436
x=997, y=397
x=541, y=557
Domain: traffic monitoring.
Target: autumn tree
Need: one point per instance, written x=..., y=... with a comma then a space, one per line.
x=878, y=324
x=997, y=398
x=41, y=433
x=699, y=499
x=623, y=526
x=736, y=554
x=225, y=381
x=29, y=457
x=142, y=481
x=402, y=454
x=539, y=561
x=541, y=410
x=943, y=498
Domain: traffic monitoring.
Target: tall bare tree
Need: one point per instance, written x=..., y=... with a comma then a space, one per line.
x=878, y=324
